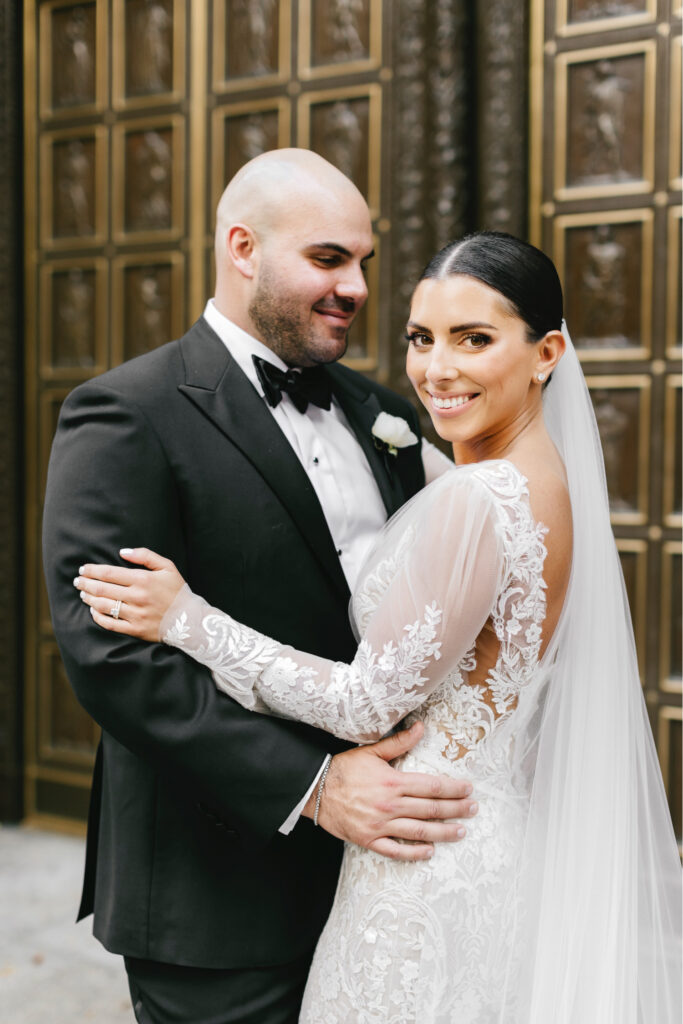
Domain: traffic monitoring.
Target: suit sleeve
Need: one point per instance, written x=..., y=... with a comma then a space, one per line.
x=110, y=486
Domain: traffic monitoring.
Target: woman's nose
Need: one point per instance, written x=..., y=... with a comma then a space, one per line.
x=441, y=367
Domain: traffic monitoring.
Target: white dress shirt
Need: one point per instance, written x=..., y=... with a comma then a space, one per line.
x=335, y=464
x=326, y=447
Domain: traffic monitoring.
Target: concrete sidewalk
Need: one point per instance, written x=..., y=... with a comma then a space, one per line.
x=52, y=971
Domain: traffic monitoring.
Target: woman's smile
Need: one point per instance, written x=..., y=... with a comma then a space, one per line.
x=450, y=405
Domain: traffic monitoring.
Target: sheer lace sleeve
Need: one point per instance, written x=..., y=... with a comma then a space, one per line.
x=420, y=609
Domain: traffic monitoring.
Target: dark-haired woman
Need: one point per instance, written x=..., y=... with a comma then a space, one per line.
x=492, y=610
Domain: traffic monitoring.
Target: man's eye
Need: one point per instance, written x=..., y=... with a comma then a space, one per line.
x=327, y=261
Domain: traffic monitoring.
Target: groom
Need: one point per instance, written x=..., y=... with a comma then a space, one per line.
x=203, y=867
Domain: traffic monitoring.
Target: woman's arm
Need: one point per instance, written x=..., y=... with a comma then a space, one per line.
x=427, y=619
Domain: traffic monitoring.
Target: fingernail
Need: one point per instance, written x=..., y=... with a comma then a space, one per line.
x=81, y=568
x=460, y=833
x=125, y=551
x=77, y=580
x=473, y=809
x=82, y=595
x=468, y=789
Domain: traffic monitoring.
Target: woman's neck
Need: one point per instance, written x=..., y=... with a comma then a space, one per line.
x=519, y=439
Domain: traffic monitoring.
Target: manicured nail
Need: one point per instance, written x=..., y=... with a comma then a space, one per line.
x=77, y=580
x=125, y=551
x=460, y=833
x=81, y=568
x=473, y=809
x=82, y=595
x=467, y=790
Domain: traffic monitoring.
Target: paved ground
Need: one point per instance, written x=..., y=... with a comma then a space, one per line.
x=52, y=971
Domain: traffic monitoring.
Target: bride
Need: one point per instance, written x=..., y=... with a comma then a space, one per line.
x=493, y=610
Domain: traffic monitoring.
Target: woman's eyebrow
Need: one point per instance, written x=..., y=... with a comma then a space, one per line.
x=470, y=327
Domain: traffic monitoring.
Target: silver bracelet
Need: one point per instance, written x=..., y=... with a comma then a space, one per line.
x=321, y=786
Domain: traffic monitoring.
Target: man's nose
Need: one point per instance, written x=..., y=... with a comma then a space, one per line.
x=352, y=285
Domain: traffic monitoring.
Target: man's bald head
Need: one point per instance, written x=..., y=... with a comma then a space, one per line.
x=267, y=188
x=293, y=237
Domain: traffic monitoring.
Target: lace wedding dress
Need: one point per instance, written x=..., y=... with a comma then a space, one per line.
x=449, y=611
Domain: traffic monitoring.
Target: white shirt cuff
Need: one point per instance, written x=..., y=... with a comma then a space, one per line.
x=291, y=820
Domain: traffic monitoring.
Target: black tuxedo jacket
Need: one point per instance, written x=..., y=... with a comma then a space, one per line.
x=177, y=452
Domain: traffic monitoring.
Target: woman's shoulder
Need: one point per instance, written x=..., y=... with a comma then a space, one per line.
x=497, y=479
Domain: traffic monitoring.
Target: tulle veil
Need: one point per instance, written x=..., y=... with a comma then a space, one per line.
x=600, y=885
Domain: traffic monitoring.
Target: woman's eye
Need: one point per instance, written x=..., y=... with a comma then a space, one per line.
x=476, y=340
x=418, y=340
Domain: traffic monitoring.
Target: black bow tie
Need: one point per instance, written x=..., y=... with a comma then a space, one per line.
x=303, y=386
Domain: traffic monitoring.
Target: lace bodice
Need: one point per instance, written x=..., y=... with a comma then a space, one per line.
x=449, y=611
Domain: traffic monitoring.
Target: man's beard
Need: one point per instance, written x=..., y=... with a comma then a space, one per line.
x=279, y=322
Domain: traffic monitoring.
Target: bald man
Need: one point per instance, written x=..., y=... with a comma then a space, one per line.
x=244, y=453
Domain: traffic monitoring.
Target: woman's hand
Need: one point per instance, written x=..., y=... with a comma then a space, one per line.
x=131, y=601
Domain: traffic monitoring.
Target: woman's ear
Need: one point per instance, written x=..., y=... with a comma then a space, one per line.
x=550, y=350
x=242, y=248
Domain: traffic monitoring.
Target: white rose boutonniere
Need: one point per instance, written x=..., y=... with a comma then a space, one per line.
x=391, y=433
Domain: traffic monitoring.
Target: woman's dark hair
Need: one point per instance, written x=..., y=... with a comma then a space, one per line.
x=519, y=271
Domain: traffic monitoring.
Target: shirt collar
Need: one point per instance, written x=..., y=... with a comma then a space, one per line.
x=240, y=345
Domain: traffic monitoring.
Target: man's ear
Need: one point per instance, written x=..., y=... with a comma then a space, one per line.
x=242, y=248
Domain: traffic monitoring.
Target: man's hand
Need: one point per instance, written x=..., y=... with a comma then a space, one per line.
x=367, y=802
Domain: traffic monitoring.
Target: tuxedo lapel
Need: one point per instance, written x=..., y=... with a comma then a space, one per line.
x=361, y=408
x=216, y=385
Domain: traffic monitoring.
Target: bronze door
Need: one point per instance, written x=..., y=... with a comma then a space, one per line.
x=605, y=184
x=138, y=111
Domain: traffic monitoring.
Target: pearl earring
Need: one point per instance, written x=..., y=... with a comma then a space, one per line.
x=540, y=377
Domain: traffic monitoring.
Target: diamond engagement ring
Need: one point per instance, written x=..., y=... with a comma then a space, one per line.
x=115, y=610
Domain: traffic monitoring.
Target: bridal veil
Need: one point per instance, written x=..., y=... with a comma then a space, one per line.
x=600, y=927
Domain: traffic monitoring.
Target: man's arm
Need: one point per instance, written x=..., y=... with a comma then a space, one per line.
x=110, y=485
x=367, y=802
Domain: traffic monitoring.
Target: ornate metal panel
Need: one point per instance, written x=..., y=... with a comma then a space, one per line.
x=147, y=293
x=674, y=240
x=672, y=640
x=251, y=44
x=633, y=556
x=339, y=36
x=148, y=52
x=574, y=17
x=605, y=202
x=106, y=133
x=605, y=261
x=604, y=120
x=74, y=318
x=73, y=79
x=149, y=175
